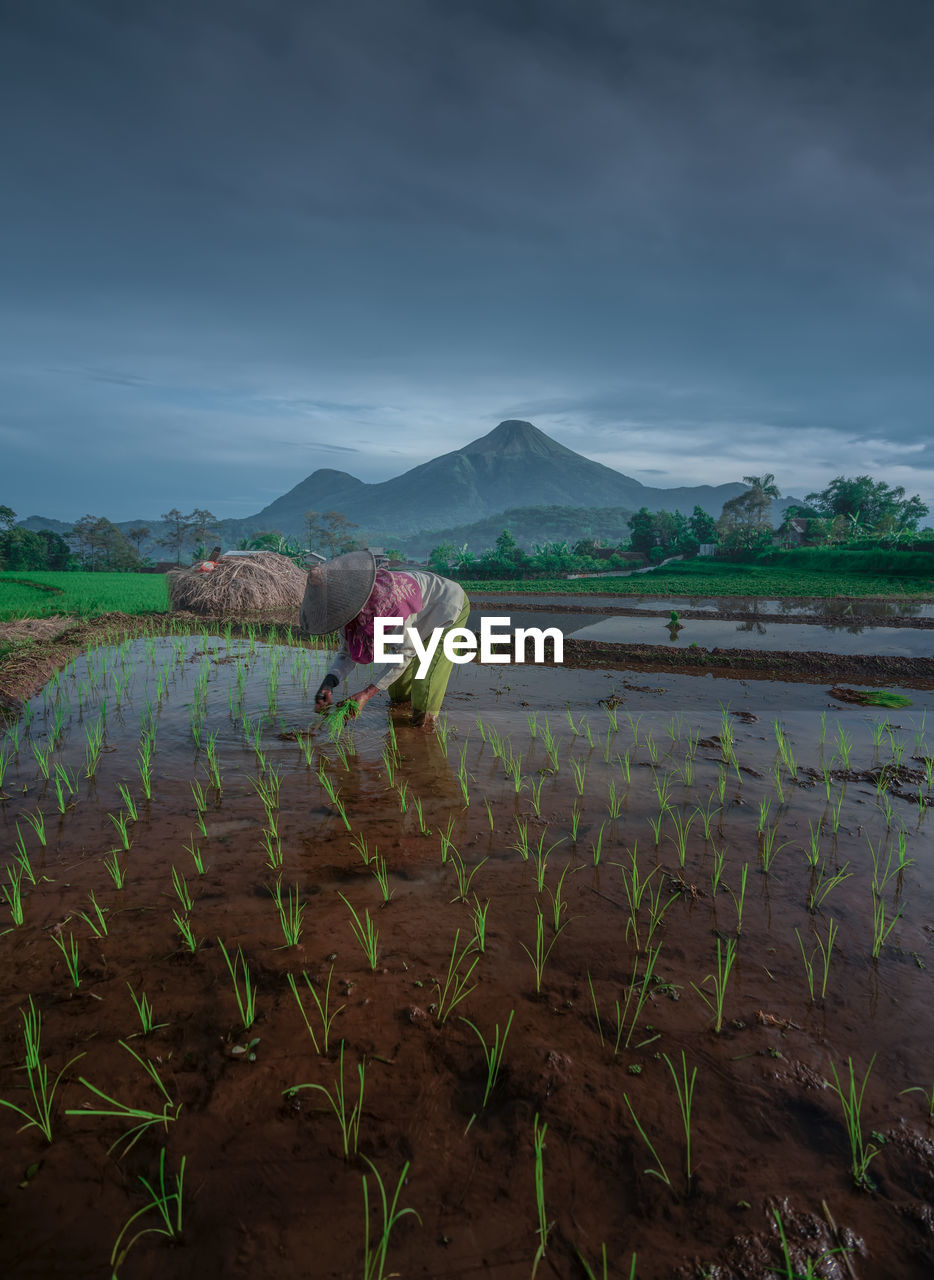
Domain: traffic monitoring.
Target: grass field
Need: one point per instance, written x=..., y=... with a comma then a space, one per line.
x=80, y=593
x=703, y=578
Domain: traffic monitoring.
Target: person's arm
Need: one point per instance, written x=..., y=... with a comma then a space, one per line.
x=339, y=670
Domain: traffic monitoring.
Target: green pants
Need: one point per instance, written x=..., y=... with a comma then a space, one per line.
x=428, y=693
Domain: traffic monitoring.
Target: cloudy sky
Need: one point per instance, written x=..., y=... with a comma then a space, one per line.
x=244, y=239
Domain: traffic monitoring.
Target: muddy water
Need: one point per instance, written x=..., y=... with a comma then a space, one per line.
x=267, y=1191
x=786, y=637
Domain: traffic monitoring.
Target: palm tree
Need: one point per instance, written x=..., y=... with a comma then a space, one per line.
x=765, y=484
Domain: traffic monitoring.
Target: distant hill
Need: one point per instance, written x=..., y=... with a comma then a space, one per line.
x=514, y=465
x=452, y=497
x=528, y=525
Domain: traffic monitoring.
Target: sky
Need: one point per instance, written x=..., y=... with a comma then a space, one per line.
x=241, y=240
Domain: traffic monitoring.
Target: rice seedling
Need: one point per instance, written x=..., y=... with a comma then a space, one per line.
x=464, y=880
x=374, y=1257
x=557, y=900
x=240, y=973
x=659, y=1171
x=685, y=1090
x=544, y=1226
x=615, y=802
x=168, y=1205
x=323, y=1006
x=881, y=929
x=638, y=989
x=360, y=844
x=835, y=811
x=492, y=1053
x=624, y=764
x=65, y=781
x=144, y=1011
x=120, y=821
x=21, y=857
x=522, y=844
x=273, y=847
x=128, y=801
x=535, y=787
x=43, y=1094
x=348, y=1120
x=380, y=870
x=70, y=953
x=366, y=935
x=656, y=825
x=612, y=713
x=42, y=758
x=183, y=924
x=822, y=884
x=180, y=885
x=145, y=1117
x=862, y=1153
x=145, y=766
x=725, y=960
x=579, y=771
x=657, y=908
x=478, y=916
x=454, y=988
x=635, y=886
x=706, y=815
x=97, y=924
x=825, y=950
x=403, y=790
x=768, y=850
x=290, y=911
x=740, y=898
x=596, y=847
x=195, y=852
x=37, y=822
x=5, y=758
x=765, y=805
x=94, y=735
x=682, y=829
x=489, y=813
x=651, y=748
x=844, y=747
x=779, y=789
x=575, y=821
x=417, y=806
x=928, y=1095
x=13, y=893
x=114, y=870
x=334, y=793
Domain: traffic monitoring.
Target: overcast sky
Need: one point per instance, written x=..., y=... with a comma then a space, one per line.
x=244, y=239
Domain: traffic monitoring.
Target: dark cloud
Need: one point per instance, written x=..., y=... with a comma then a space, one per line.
x=397, y=223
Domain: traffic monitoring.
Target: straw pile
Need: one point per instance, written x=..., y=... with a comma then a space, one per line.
x=266, y=583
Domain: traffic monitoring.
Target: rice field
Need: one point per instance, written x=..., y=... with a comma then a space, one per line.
x=605, y=978
x=27, y=594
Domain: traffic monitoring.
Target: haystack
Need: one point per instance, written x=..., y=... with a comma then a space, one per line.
x=265, y=583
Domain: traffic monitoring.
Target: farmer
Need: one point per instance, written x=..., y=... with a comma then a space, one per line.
x=348, y=593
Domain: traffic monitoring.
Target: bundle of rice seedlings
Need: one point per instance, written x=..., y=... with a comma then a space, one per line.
x=264, y=583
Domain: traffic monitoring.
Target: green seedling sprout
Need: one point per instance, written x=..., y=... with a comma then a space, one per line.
x=290, y=911
x=446, y=843
x=862, y=1153
x=540, y=956
x=454, y=989
x=144, y=1011
x=557, y=901
x=42, y=758
x=825, y=950
x=13, y=893
x=656, y=825
x=196, y=857
x=740, y=898
x=366, y=935
x=97, y=924
x=725, y=959
x=881, y=929
x=811, y=1272
x=37, y=822
x=21, y=857
x=349, y=1121
x=464, y=878
x=43, y=1094
x=659, y=1171
x=575, y=821
x=769, y=851
x=492, y=1053
x=360, y=844
x=183, y=924
x=579, y=770
x=323, y=1007
x=70, y=952
x=273, y=847
x=128, y=801
x=114, y=870
x=374, y=1265
x=596, y=848
x=535, y=787
x=478, y=915
x=685, y=1091
x=182, y=892
x=822, y=884
x=928, y=1095
x=522, y=844
x=489, y=813
x=544, y=1226
x=380, y=870
x=122, y=1111
x=682, y=829
x=167, y=1204
x=246, y=999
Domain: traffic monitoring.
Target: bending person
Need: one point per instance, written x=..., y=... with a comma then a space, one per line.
x=349, y=593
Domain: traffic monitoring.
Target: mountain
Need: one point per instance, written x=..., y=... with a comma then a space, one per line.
x=514, y=465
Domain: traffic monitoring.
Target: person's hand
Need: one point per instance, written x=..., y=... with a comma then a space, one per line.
x=363, y=697
x=322, y=700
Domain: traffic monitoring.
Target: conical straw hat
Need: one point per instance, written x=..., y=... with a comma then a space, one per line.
x=336, y=591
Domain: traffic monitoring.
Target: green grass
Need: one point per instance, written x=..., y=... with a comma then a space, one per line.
x=81, y=593
x=716, y=578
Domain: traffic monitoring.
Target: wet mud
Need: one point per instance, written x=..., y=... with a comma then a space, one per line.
x=624, y=835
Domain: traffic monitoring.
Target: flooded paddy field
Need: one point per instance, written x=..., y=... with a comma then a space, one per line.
x=624, y=962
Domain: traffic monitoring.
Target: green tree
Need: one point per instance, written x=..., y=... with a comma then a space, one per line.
x=178, y=532
x=642, y=531
x=202, y=523
x=138, y=535
x=703, y=526
x=869, y=502
x=330, y=530
x=7, y=517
